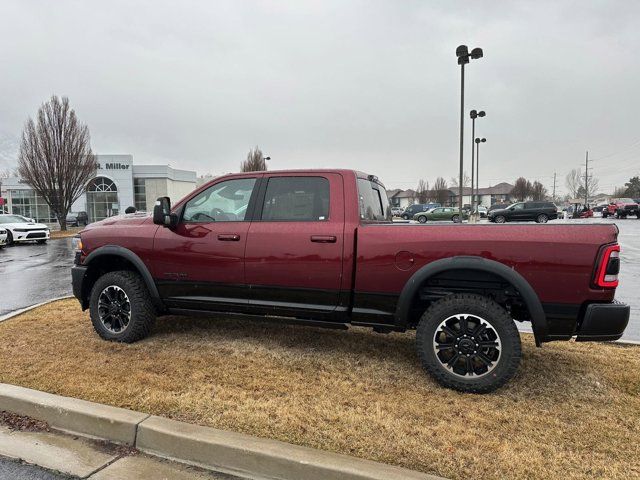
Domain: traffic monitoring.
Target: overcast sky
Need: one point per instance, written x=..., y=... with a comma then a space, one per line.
x=370, y=85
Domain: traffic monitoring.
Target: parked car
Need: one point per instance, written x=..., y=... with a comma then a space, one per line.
x=396, y=211
x=440, y=213
x=23, y=229
x=540, y=212
x=318, y=247
x=498, y=206
x=3, y=237
x=482, y=210
x=621, y=208
x=411, y=210
x=78, y=219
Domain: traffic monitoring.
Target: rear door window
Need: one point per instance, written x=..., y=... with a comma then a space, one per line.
x=296, y=199
x=374, y=204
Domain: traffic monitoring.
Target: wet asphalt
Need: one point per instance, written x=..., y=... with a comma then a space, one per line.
x=32, y=273
x=14, y=470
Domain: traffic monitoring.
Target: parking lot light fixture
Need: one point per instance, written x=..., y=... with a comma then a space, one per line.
x=462, y=52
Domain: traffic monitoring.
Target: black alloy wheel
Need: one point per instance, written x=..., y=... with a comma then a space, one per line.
x=469, y=342
x=114, y=309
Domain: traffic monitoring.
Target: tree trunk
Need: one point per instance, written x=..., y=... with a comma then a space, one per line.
x=62, y=220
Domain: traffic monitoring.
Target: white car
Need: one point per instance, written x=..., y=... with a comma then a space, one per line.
x=22, y=229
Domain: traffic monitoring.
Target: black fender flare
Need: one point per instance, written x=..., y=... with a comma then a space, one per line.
x=116, y=250
x=538, y=317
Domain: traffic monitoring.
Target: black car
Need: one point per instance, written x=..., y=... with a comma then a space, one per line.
x=411, y=210
x=498, y=206
x=79, y=219
x=540, y=212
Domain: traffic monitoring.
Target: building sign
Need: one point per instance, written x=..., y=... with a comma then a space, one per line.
x=114, y=166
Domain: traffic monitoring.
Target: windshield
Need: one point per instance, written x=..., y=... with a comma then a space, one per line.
x=12, y=219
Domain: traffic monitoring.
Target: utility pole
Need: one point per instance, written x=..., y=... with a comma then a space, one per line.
x=554, y=187
x=586, y=179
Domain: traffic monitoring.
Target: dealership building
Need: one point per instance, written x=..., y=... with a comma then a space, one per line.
x=116, y=185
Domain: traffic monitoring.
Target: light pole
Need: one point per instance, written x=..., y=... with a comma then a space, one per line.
x=473, y=114
x=478, y=141
x=462, y=52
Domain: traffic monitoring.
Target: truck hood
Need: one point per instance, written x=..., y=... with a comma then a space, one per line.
x=128, y=219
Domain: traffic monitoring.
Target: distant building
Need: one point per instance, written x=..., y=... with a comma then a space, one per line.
x=402, y=198
x=117, y=184
x=500, y=193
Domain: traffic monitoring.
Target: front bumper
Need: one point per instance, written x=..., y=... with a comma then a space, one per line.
x=78, y=273
x=30, y=235
x=604, y=322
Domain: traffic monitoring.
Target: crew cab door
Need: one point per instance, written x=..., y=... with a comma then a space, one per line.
x=294, y=251
x=200, y=263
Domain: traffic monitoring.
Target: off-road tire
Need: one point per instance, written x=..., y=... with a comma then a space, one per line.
x=143, y=313
x=496, y=316
x=542, y=218
x=422, y=219
x=500, y=219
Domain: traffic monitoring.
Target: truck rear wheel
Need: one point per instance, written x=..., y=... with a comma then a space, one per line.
x=469, y=343
x=121, y=308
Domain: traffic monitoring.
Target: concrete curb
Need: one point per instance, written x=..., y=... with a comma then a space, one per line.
x=15, y=313
x=70, y=414
x=231, y=452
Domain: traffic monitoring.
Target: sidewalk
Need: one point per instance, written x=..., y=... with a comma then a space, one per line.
x=80, y=457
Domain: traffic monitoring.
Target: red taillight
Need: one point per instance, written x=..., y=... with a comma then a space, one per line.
x=609, y=267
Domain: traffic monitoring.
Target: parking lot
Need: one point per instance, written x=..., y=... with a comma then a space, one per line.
x=35, y=273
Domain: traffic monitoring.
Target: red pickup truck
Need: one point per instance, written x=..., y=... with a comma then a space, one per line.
x=318, y=247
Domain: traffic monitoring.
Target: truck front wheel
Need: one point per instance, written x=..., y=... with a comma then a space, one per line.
x=469, y=343
x=121, y=308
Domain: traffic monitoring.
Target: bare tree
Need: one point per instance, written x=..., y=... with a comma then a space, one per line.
x=55, y=156
x=575, y=183
x=441, y=189
x=620, y=192
x=465, y=179
x=422, y=191
x=522, y=189
x=538, y=191
x=255, y=161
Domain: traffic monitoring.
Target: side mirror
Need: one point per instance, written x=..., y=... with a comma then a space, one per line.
x=162, y=213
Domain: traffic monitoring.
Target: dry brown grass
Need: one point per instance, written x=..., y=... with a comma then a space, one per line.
x=573, y=411
x=70, y=232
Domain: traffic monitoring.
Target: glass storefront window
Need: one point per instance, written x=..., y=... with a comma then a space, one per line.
x=29, y=204
x=140, y=194
x=102, y=199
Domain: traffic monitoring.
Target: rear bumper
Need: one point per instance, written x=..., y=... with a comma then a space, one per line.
x=78, y=273
x=604, y=322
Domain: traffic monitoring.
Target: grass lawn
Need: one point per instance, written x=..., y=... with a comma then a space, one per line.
x=70, y=232
x=573, y=411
